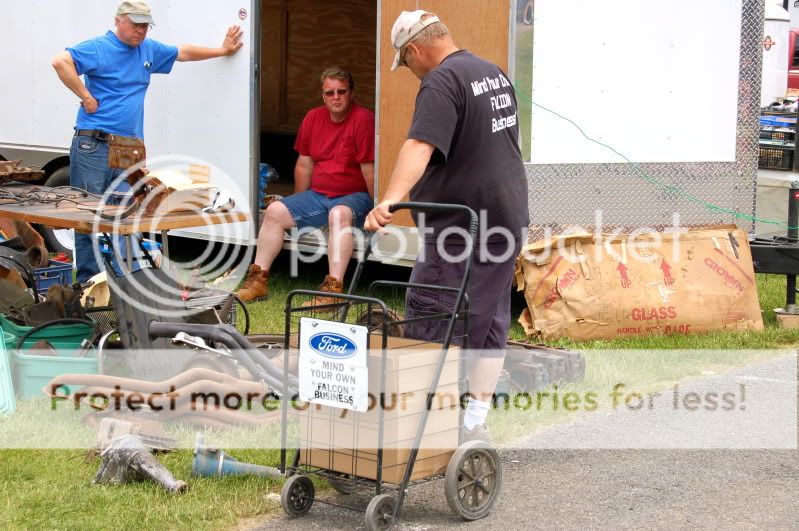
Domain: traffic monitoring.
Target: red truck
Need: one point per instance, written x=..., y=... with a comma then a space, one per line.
x=793, y=58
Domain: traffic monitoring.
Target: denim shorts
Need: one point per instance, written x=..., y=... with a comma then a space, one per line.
x=311, y=209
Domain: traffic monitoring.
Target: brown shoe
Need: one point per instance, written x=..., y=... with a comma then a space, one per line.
x=255, y=285
x=330, y=285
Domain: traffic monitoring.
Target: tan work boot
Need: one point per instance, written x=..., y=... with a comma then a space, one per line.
x=330, y=285
x=255, y=285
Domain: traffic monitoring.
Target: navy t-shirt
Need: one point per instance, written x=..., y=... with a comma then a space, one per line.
x=466, y=108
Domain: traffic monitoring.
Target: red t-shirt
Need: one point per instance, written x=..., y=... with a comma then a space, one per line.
x=337, y=149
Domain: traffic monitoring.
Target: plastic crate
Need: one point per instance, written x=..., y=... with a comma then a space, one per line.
x=775, y=158
x=32, y=373
x=57, y=273
x=770, y=112
x=61, y=337
x=778, y=134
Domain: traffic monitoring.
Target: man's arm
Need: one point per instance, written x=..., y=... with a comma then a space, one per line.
x=68, y=74
x=368, y=170
x=302, y=173
x=411, y=163
x=231, y=45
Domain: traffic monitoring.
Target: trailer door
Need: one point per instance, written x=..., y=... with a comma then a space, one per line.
x=205, y=112
x=481, y=26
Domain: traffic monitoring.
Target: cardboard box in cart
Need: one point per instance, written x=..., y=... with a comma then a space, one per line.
x=346, y=441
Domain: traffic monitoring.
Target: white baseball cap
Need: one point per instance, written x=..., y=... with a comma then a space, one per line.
x=406, y=27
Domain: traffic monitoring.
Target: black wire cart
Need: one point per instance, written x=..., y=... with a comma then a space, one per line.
x=372, y=455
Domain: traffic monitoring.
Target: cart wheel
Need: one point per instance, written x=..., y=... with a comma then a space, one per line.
x=297, y=495
x=341, y=483
x=380, y=513
x=473, y=480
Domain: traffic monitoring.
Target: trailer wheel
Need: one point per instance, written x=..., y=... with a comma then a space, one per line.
x=473, y=480
x=380, y=513
x=297, y=495
x=58, y=240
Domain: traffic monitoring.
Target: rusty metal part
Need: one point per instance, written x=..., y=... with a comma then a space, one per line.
x=127, y=460
x=212, y=418
x=224, y=419
x=151, y=432
x=375, y=317
x=166, y=399
x=272, y=341
x=35, y=249
x=560, y=364
x=12, y=170
x=143, y=386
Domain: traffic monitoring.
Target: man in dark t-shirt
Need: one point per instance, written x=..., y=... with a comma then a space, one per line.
x=462, y=148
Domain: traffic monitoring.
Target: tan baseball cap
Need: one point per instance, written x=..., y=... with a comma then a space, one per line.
x=137, y=12
x=406, y=27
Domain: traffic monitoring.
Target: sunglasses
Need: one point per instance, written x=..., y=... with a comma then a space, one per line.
x=341, y=92
x=403, y=53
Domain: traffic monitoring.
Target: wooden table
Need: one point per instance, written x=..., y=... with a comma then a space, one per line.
x=76, y=212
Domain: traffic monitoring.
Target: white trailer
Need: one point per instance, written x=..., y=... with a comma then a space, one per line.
x=638, y=109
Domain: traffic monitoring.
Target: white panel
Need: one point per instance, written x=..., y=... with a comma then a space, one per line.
x=37, y=109
x=17, y=98
x=656, y=81
x=201, y=111
x=56, y=25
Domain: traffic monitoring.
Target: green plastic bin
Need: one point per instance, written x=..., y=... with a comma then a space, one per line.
x=7, y=401
x=61, y=337
x=32, y=373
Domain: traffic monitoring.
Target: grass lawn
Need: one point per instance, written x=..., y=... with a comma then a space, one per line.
x=51, y=489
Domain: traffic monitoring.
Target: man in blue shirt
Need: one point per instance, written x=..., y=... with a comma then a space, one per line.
x=116, y=69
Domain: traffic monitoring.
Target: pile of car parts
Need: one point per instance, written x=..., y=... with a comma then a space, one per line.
x=199, y=396
x=13, y=170
x=530, y=366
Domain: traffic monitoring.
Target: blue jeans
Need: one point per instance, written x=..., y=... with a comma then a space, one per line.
x=88, y=170
x=311, y=209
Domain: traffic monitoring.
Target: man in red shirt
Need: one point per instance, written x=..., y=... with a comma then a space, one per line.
x=333, y=184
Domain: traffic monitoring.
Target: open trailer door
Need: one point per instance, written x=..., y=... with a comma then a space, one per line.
x=206, y=112
x=489, y=38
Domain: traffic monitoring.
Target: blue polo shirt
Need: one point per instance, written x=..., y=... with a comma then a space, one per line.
x=117, y=75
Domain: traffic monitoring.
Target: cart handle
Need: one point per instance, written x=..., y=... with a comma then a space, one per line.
x=427, y=207
x=439, y=207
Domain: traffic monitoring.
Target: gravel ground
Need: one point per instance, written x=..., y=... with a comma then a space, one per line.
x=751, y=483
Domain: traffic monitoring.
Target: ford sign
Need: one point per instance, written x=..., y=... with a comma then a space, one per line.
x=333, y=345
